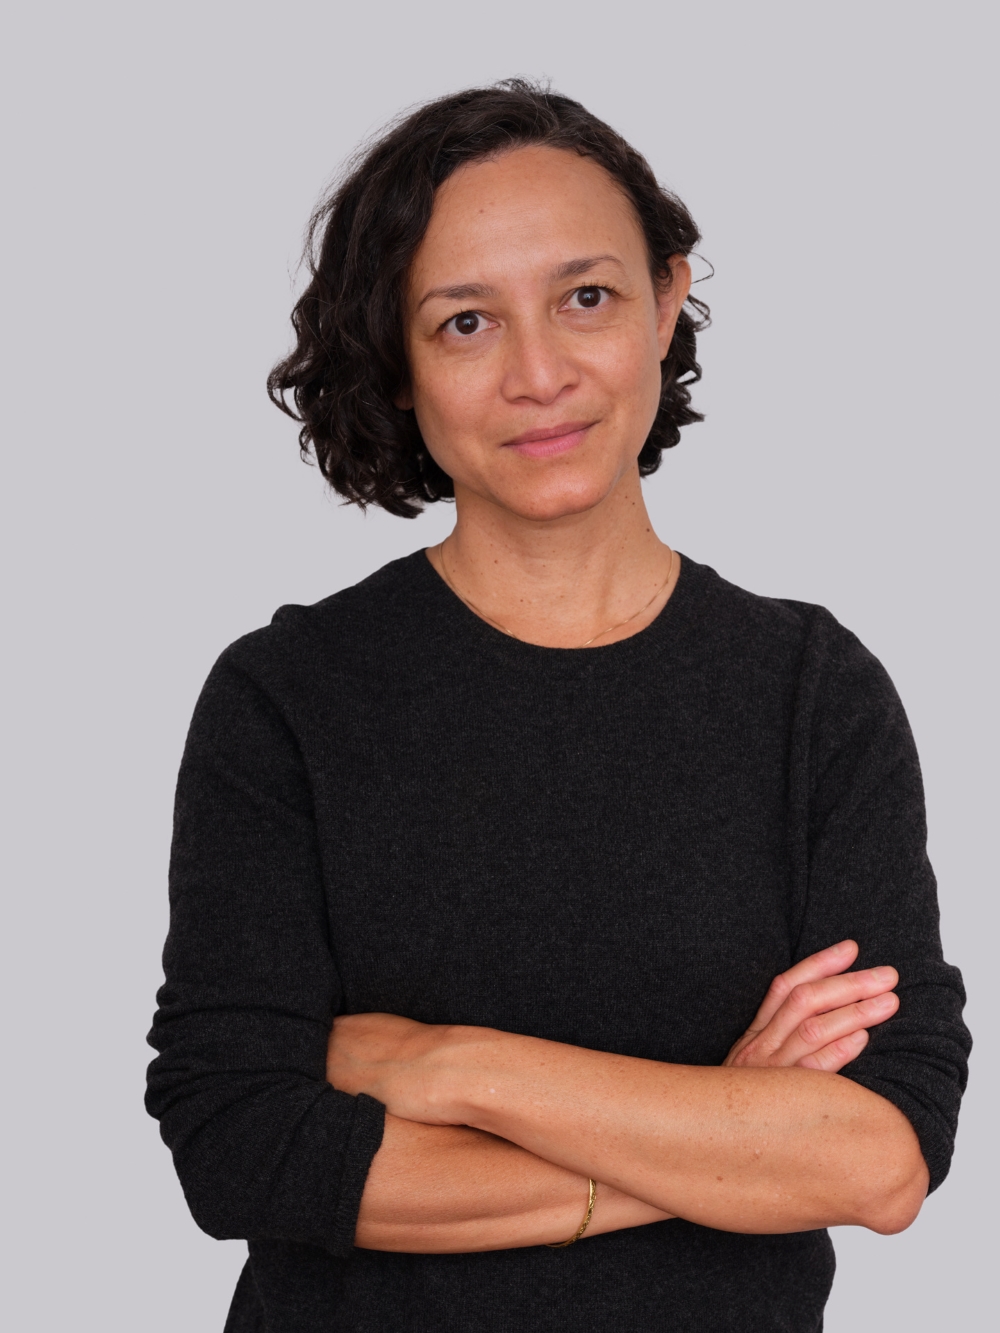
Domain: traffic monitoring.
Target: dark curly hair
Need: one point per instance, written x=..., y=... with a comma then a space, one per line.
x=349, y=360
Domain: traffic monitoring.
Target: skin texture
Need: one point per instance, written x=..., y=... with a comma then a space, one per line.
x=773, y=1141
x=439, y=1190
x=490, y=1136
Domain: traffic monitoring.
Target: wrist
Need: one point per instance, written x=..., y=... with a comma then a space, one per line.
x=615, y=1211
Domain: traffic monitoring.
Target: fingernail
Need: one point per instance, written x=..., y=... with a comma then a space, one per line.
x=883, y=973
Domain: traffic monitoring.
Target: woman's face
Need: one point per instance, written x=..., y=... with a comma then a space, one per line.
x=535, y=333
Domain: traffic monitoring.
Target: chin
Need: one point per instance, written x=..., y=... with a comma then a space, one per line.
x=547, y=502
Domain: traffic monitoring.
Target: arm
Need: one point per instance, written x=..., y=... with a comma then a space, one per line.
x=740, y=1149
x=868, y=876
x=264, y=1147
x=435, y=1189
x=425, y=1195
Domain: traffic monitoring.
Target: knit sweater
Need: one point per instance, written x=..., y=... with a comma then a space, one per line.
x=387, y=805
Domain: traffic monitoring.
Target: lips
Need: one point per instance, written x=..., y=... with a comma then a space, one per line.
x=553, y=440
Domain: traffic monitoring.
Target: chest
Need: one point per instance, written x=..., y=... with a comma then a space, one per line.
x=601, y=862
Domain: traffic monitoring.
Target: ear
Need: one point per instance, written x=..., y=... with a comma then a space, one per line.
x=670, y=297
x=403, y=400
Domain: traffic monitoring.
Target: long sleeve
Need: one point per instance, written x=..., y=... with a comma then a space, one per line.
x=868, y=878
x=264, y=1147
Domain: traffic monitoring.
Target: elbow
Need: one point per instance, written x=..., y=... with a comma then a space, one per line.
x=895, y=1206
x=891, y=1172
x=217, y=1209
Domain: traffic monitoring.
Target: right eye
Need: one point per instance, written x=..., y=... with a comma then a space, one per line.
x=466, y=323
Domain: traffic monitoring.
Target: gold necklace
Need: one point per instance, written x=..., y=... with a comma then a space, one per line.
x=511, y=635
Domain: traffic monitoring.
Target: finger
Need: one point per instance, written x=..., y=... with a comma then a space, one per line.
x=826, y=963
x=832, y=1059
x=822, y=1029
x=819, y=997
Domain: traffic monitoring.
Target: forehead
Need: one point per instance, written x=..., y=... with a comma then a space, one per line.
x=535, y=205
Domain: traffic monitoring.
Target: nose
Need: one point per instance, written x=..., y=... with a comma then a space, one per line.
x=537, y=364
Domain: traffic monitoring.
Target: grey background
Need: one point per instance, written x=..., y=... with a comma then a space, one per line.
x=162, y=160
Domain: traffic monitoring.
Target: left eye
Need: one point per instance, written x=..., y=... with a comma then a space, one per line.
x=588, y=298
x=466, y=323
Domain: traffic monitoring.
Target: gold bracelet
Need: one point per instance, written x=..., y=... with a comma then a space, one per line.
x=561, y=1244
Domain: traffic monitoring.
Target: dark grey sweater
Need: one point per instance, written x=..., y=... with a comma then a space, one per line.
x=385, y=804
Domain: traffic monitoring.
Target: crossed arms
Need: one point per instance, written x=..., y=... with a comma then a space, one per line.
x=490, y=1137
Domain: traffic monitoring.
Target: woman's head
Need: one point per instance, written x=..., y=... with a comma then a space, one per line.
x=522, y=213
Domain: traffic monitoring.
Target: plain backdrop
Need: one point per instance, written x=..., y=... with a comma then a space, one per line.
x=161, y=162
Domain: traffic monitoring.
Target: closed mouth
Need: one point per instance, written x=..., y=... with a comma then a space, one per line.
x=550, y=440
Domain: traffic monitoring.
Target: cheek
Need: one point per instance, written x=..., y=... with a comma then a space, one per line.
x=628, y=371
x=451, y=397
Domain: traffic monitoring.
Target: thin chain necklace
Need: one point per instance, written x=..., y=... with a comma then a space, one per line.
x=510, y=633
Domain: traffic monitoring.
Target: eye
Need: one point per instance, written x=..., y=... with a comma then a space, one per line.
x=588, y=298
x=466, y=323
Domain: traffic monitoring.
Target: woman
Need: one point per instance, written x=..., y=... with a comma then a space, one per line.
x=610, y=875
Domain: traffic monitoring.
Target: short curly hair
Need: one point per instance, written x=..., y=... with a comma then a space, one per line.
x=349, y=359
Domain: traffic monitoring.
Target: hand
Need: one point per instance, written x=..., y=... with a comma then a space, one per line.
x=816, y=1015
x=402, y=1063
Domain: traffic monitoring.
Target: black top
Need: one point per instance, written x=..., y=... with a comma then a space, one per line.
x=385, y=804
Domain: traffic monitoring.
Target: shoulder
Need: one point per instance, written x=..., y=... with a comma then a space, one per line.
x=749, y=622
x=737, y=612
x=353, y=630
x=778, y=634
x=313, y=659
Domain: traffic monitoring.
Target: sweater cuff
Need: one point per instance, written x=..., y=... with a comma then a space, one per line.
x=363, y=1142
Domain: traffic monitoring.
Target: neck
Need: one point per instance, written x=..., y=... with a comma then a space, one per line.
x=601, y=575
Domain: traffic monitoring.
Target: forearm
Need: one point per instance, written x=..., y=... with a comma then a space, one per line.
x=439, y=1189
x=773, y=1141
x=740, y=1149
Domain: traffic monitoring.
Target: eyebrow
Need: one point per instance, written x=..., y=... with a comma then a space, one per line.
x=575, y=268
x=572, y=268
